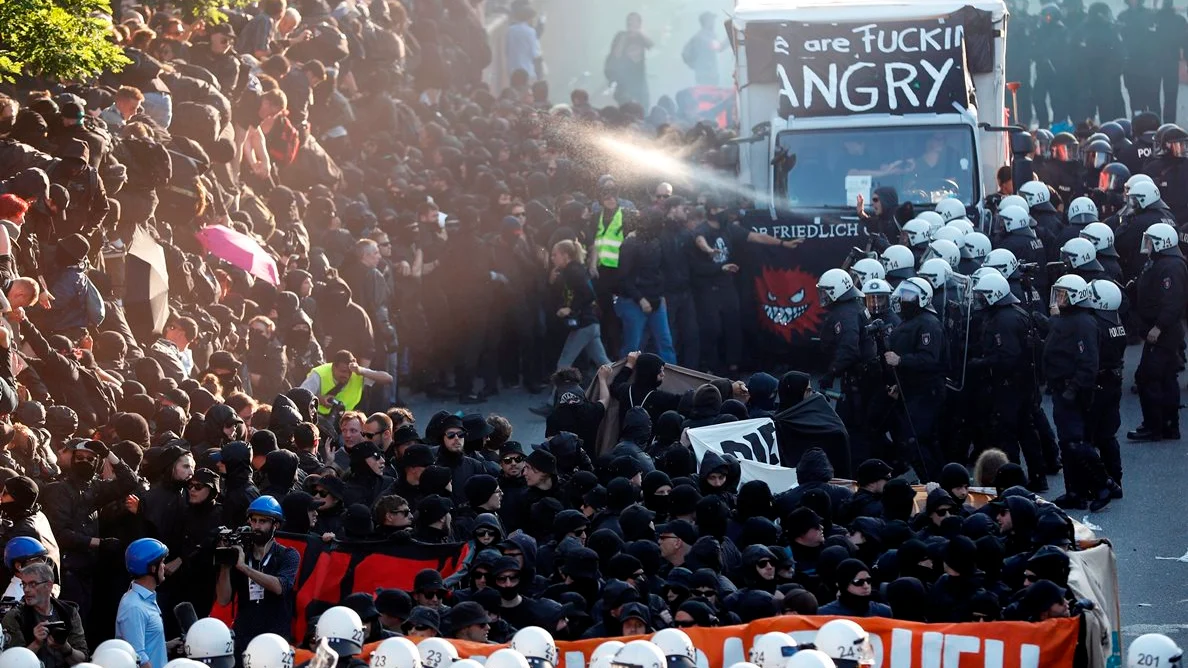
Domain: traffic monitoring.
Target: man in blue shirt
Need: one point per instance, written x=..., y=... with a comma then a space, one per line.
x=522, y=44
x=262, y=579
x=138, y=620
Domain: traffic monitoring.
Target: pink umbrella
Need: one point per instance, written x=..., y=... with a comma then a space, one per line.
x=239, y=250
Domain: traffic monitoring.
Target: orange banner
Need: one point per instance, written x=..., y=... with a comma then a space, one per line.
x=897, y=644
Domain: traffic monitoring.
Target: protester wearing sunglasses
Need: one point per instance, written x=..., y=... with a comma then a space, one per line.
x=451, y=454
x=854, y=589
x=937, y=508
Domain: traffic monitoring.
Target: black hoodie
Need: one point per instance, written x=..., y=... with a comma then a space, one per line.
x=814, y=471
x=280, y=473
x=635, y=435
x=218, y=417
x=238, y=490
x=285, y=417
x=640, y=387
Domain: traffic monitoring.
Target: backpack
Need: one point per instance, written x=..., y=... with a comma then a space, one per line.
x=148, y=162
x=283, y=141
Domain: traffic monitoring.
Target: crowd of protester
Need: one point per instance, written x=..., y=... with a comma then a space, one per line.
x=429, y=234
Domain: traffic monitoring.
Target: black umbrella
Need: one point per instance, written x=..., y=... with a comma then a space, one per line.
x=146, y=300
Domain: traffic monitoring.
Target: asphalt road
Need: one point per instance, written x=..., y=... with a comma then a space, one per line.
x=1147, y=523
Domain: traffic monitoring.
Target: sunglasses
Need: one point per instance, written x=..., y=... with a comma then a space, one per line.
x=705, y=592
x=368, y=434
x=322, y=492
x=196, y=486
x=941, y=512
x=422, y=627
x=438, y=595
x=765, y=563
x=681, y=624
x=515, y=459
x=860, y=582
x=581, y=532
x=455, y=434
x=403, y=511
x=1029, y=577
x=507, y=578
x=481, y=575
x=484, y=532
x=636, y=576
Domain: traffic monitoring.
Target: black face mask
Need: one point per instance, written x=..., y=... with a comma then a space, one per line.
x=853, y=601
x=12, y=509
x=82, y=472
x=257, y=341
x=508, y=593
x=909, y=310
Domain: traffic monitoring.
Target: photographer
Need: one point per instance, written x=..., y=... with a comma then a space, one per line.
x=261, y=582
x=338, y=385
x=50, y=628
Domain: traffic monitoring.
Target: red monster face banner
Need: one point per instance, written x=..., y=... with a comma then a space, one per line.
x=788, y=305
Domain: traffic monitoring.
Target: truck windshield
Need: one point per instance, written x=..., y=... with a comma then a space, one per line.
x=830, y=168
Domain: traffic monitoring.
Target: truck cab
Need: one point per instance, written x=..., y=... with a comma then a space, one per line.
x=845, y=97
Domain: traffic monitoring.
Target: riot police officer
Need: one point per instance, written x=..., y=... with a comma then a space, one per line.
x=918, y=366
x=1070, y=361
x=1143, y=127
x=1081, y=212
x=1162, y=288
x=1107, y=193
x=878, y=301
x=1007, y=346
x=1080, y=257
x=1064, y=172
x=974, y=249
x=846, y=342
x=1146, y=209
x=1102, y=238
x=1047, y=218
x=1042, y=160
x=1095, y=155
x=1169, y=169
x=1022, y=242
x=1105, y=298
x=916, y=234
x=899, y=264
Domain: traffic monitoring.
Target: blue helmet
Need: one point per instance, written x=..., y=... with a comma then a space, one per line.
x=22, y=548
x=143, y=553
x=266, y=506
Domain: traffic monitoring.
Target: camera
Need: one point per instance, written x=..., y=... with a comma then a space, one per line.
x=226, y=554
x=58, y=631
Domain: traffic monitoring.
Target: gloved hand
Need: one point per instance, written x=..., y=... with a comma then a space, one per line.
x=99, y=448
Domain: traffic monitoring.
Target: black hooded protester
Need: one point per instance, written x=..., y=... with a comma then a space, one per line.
x=28, y=519
x=881, y=229
x=71, y=505
x=279, y=475
x=366, y=482
x=202, y=516
x=238, y=489
x=637, y=385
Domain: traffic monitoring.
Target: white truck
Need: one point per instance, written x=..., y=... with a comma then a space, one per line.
x=842, y=97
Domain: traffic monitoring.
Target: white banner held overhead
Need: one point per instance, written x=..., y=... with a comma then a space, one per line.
x=752, y=442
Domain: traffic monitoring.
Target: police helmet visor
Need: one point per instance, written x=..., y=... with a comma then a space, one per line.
x=1148, y=246
x=1069, y=259
x=1110, y=182
x=1092, y=238
x=859, y=655
x=1063, y=153
x=906, y=292
x=1096, y=159
x=877, y=303
x=823, y=296
x=1177, y=148
x=1061, y=296
x=931, y=254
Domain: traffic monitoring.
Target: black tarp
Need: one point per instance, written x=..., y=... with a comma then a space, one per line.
x=813, y=423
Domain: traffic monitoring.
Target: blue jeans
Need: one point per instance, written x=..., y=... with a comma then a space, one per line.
x=635, y=321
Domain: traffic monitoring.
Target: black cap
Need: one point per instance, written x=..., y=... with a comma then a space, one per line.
x=511, y=448
x=543, y=461
x=405, y=433
x=428, y=579
x=393, y=602
x=467, y=613
x=363, y=604
x=800, y=521
x=422, y=616
x=476, y=427
x=206, y=477
x=432, y=509
x=679, y=528
x=417, y=455
x=873, y=470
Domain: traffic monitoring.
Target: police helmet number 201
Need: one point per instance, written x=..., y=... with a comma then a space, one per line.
x=1148, y=660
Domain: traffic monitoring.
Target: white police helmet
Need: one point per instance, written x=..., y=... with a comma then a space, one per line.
x=396, y=653
x=437, y=653
x=772, y=650
x=1152, y=650
x=867, y=268
x=845, y=640
x=677, y=647
x=343, y=629
x=506, y=658
x=536, y=644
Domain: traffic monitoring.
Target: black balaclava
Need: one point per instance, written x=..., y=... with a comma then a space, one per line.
x=846, y=572
x=792, y=388
x=754, y=500
x=657, y=504
x=908, y=599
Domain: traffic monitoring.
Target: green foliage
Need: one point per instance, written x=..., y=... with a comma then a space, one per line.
x=56, y=39
x=210, y=11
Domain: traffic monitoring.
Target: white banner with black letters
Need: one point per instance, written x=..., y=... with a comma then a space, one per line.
x=887, y=67
x=753, y=442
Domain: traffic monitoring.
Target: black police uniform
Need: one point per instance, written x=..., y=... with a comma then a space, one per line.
x=919, y=342
x=851, y=351
x=1128, y=236
x=1007, y=347
x=1162, y=289
x=1071, y=361
x=1048, y=224
x=1028, y=249
x=1106, y=417
x=1170, y=174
